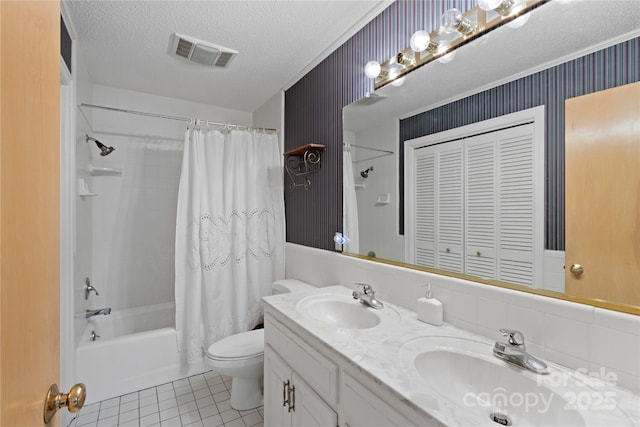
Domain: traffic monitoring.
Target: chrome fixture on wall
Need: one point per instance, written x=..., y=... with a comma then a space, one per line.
x=104, y=150
x=457, y=29
x=91, y=313
x=365, y=173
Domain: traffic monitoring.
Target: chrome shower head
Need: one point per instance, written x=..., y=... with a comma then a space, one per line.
x=104, y=150
x=365, y=173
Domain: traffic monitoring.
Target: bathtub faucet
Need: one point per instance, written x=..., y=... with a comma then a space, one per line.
x=91, y=313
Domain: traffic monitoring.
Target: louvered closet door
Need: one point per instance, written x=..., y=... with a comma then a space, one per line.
x=481, y=205
x=449, y=206
x=425, y=207
x=516, y=205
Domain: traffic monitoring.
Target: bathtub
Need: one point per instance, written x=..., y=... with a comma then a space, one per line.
x=136, y=350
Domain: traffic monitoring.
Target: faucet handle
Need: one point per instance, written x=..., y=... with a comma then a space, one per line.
x=515, y=337
x=88, y=288
x=366, y=289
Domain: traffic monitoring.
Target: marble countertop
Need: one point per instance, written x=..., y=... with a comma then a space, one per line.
x=386, y=352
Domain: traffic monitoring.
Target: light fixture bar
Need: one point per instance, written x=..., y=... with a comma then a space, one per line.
x=442, y=43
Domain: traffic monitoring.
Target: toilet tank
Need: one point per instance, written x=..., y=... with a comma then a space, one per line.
x=290, y=285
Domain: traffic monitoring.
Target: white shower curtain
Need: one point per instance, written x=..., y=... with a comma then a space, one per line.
x=349, y=203
x=229, y=234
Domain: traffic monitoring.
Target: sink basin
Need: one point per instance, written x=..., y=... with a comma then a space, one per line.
x=492, y=392
x=341, y=311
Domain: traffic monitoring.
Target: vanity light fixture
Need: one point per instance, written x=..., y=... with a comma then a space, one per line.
x=453, y=21
x=457, y=29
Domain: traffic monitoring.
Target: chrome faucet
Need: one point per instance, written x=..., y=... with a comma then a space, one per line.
x=88, y=288
x=367, y=296
x=91, y=313
x=513, y=351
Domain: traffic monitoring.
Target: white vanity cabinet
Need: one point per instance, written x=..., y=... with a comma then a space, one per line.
x=289, y=400
x=305, y=386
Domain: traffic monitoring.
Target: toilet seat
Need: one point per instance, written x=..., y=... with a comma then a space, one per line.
x=242, y=346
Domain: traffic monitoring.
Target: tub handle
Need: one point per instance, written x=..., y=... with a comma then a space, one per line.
x=88, y=288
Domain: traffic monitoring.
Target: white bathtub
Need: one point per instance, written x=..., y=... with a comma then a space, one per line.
x=137, y=349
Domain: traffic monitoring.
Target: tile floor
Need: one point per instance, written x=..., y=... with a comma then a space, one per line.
x=198, y=401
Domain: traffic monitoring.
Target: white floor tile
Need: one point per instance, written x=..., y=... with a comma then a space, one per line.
x=90, y=418
x=147, y=392
x=132, y=423
x=202, y=393
x=128, y=406
x=205, y=401
x=187, y=407
x=94, y=407
x=235, y=423
x=229, y=415
x=224, y=405
x=181, y=383
x=108, y=412
x=173, y=422
x=167, y=414
x=129, y=397
x=149, y=409
x=169, y=403
x=195, y=424
x=110, y=403
x=149, y=400
x=164, y=387
x=252, y=418
x=213, y=421
x=190, y=417
x=167, y=394
x=129, y=416
x=108, y=422
x=223, y=395
x=186, y=398
x=208, y=411
x=199, y=385
x=218, y=388
x=150, y=420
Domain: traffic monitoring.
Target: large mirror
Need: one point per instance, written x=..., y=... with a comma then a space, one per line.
x=375, y=161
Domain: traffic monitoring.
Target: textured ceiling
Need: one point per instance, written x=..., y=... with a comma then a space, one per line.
x=125, y=43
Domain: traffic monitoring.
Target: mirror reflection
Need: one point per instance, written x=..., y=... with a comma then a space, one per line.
x=505, y=73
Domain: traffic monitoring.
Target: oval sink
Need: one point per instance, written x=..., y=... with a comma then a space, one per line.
x=465, y=373
x=338, y=310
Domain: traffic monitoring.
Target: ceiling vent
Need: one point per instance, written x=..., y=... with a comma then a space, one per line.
x=200, y=52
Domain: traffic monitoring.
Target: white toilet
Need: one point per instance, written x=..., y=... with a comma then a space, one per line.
x=241, y=356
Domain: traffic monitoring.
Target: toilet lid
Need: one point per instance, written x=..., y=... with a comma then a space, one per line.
x=245, y=344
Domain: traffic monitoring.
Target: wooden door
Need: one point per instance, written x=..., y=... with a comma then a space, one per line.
x=29, y=208
x=602, y=146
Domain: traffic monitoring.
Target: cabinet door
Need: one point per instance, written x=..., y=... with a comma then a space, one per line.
x=310, y=410
x=276, y=375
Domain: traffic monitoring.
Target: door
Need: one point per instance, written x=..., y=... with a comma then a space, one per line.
x=602, y=194
x=310, y=409
x=29, y=208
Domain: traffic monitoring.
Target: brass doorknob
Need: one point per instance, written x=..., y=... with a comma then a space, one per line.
x=73, y=401
x=576, y=270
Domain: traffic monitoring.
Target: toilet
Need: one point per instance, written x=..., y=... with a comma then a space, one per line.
x=241, y=356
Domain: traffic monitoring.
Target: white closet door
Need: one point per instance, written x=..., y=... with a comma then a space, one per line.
x=481, y=205
x=516, y=263
x=425, y=208
x=449, y=206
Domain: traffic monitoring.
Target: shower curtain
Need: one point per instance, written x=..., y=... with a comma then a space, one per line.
x=349, y=203
x=229, y=234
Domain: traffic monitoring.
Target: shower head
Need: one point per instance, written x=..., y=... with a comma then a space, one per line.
x=104, y=150
x=365, y=173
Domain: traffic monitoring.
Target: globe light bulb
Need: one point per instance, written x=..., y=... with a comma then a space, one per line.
x=372, y=69
x=519, y=22
x=450, y=20
x=447, y=58
x=398, y=82
x=489, y=4
x=419, y=41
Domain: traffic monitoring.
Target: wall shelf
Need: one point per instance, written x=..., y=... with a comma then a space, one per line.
x=94, y=171
x=83, y=189
x=303, y=161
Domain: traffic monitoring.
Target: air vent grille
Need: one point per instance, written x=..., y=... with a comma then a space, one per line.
x=184, y=48
x=200, y=52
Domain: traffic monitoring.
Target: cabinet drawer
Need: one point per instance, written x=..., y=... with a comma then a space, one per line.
x=312, y=366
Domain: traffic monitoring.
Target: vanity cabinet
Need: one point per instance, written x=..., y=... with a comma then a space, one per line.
x=305, y=386
x=289, y=400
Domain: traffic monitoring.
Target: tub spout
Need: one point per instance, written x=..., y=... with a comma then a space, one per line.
x=91, y=313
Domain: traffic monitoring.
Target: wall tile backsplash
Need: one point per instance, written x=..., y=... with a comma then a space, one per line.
x=575, y=335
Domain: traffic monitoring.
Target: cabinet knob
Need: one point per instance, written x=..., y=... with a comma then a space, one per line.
x=448, y=250
x=478, y=253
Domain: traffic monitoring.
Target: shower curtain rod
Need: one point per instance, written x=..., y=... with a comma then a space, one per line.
x=177, y=118
x=368, y=148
